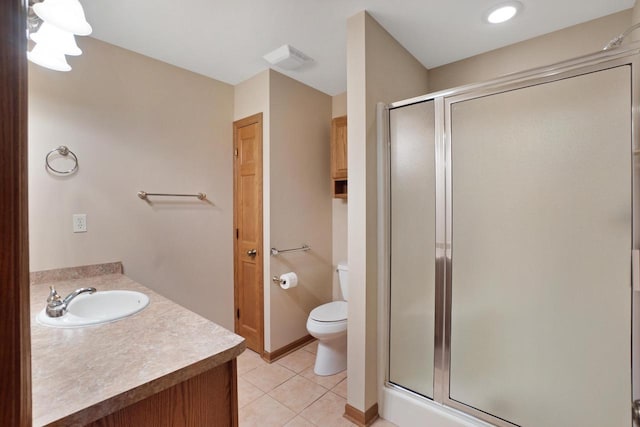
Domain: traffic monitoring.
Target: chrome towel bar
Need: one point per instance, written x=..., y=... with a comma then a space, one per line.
x=304, y=247
x=145, y=196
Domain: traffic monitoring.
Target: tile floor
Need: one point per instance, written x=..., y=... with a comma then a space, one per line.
x=288, y=393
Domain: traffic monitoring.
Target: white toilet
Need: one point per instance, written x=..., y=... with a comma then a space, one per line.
x=328, y=323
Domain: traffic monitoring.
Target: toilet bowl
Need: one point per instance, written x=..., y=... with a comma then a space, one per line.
x=328, y=323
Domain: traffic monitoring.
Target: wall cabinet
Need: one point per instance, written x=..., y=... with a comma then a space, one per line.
x=339, y=157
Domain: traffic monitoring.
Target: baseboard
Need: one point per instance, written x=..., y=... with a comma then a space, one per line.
x=361, y=418
x=289, y=348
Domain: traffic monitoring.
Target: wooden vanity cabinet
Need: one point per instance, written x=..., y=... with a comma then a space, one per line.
x=339, y=157
x=208, y=399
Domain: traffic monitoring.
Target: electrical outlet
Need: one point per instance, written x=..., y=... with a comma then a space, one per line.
x=79, y=223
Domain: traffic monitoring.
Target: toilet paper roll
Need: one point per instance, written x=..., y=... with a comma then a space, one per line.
x=288, y=280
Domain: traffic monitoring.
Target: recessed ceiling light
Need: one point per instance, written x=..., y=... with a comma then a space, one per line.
x=503, y=12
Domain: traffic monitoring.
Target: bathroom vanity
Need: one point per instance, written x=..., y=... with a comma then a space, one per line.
x=163, y=366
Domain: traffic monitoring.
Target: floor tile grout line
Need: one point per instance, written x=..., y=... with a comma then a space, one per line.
x=291, y=419
x=262, y=393
x=314, y=401
x=279, y=384
x=326, y=388
x=309, y=421
x=245, y=373
x=299, y=413
x=267, y=392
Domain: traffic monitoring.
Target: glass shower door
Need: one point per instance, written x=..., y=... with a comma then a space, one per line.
x=412, y=245
x=540, y=293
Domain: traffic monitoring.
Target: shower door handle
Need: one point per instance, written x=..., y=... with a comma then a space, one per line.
x=252, y=252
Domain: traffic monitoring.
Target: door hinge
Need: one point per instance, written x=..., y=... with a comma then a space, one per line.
x=235, y=152
x=237, y=233
x=238, y=313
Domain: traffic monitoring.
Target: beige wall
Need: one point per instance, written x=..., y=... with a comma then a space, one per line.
x=339, y=209
x=296, y=197
x=379, y=69
x=635, y=18
x=136, y=124
x=554, y=47
x=300, y=204
x=252, y=97
x=339, y=105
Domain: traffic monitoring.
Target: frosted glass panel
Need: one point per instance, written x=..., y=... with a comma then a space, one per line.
x=412, y=247
x=541, y=182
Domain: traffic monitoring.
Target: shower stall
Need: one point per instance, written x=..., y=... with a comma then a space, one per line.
x=508, y=217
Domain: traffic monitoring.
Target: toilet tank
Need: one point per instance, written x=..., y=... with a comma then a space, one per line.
x=343, y=278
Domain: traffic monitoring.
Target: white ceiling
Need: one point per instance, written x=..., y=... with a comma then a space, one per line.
x=226, y=40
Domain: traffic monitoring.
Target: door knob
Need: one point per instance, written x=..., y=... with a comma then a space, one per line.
x=252, y=252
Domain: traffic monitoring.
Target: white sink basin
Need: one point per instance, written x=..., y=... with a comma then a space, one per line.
x=99, y=307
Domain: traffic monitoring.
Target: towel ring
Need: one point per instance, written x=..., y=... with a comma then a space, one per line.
x=63, y=151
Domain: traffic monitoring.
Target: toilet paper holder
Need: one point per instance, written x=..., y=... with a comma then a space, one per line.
x=287, y=280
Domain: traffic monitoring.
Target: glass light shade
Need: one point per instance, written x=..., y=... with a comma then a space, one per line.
x=503, y=12
x=48, y=58
x=56, y=39
x=67, y=15
x=501, y=15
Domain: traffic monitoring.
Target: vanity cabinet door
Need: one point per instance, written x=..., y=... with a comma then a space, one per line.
x=208, y=399
x=339, y=156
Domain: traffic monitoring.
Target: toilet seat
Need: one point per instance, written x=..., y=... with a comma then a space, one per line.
x=335, y=311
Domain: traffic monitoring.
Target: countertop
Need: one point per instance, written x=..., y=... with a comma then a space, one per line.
x=82, y=374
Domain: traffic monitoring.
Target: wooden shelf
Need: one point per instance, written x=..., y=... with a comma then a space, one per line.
x=339, y=188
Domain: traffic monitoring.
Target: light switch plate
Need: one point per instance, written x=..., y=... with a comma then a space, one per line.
x=79, y=223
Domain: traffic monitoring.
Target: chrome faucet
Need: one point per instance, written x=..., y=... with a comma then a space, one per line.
x=56, y=306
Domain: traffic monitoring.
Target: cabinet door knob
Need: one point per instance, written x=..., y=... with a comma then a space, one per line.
x=252, y=252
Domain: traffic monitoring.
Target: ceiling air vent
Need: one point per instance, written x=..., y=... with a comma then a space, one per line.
x=287, y=57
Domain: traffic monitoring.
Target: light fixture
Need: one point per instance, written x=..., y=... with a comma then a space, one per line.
x=58, y=20
x=287, y=57
x=67, y=15
x=503, y=12
x=56, y=39
x=48, y=58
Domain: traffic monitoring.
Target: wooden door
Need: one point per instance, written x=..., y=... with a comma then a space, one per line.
x=15, y=358
x=248, y=256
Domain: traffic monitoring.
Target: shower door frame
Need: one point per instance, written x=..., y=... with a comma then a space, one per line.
x=443, y=102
